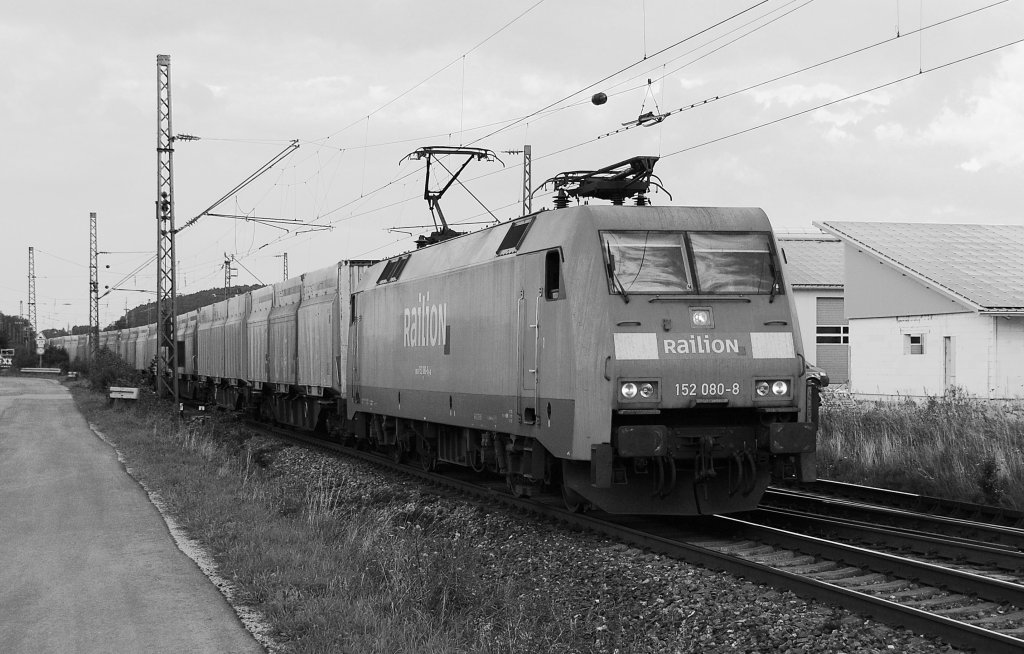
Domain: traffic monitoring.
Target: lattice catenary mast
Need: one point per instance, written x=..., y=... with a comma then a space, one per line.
x=32, y=290
x=166, y=297
x=229, y=271
x=527, y=180
x=94, y=288
x=285, y=258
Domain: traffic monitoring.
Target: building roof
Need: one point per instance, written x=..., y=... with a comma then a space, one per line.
x=981, y=266
x=812, y=260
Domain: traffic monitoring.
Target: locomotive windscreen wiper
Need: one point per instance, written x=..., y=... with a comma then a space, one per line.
x=615, y=278
x=775, y=279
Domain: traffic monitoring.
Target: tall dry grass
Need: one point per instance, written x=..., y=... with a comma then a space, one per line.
x=954, y=446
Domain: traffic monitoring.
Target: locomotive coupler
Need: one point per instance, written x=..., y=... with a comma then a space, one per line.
x=704, y=465
x=664, y=476
x=744, y=481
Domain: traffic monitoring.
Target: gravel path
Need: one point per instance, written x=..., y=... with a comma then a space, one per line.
x=640, y=602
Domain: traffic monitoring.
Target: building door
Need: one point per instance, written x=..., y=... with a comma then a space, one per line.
x=832, y=339
x=949, y=361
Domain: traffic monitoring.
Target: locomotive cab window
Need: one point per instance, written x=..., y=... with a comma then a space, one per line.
x=734, y=263
x=646, y=262
x=553, y=275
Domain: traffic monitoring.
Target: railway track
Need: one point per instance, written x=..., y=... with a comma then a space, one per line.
x=979, y=513
x=965, y=607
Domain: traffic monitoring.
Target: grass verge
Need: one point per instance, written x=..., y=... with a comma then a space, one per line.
x=378, y=570
x=952, y=446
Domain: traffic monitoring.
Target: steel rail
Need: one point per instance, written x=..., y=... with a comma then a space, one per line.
x=913, y=501
x=959, y=581
x=920, y=542
x=980, y=531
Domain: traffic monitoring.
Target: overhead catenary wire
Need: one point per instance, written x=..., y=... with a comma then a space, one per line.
x=291, y=147
x=846, y=97
x=819, y=64
x=620, y=71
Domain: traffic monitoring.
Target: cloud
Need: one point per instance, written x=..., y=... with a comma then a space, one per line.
x=797, y=94
x=972, y=165
x=837, y=135
x=991, y=125
x=890, y=132
x=835, y=116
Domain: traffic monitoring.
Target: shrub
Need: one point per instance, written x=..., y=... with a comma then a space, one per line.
x=109, y=369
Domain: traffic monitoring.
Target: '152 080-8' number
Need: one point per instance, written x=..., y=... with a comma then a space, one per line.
x=710, y=388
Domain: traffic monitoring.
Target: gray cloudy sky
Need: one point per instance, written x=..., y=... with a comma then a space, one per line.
x=360, y=85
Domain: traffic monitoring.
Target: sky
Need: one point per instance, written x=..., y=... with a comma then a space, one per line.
x=857, y=110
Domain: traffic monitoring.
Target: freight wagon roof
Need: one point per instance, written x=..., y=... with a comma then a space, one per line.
x=978, y=265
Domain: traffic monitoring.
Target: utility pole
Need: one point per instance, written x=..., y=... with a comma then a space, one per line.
x=32, y=289
x=166, y=296
x=94, y=288
x=285, y=257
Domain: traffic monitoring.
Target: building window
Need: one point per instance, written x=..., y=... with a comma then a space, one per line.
x=833, y=334
x=913, y=344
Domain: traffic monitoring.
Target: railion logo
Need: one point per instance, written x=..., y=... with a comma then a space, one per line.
x=425, y=325
x=701, y=344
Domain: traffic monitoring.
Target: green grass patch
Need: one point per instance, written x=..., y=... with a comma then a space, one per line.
x=333, y=563
x=954, y=446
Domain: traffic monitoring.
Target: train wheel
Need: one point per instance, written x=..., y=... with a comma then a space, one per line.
x=397, y=452
x=477, y=463
x=428, y=459
x=519, y=486
x=574, y=502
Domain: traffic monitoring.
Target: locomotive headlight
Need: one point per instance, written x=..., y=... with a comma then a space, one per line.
x=700, y=318
x=647, y=390
x=629, y=390
x=762, y=388
x=780, y=388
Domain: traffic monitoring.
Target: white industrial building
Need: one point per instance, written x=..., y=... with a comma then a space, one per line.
x=933, y=306
x=813, y=270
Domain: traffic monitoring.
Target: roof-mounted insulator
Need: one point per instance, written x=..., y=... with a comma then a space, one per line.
x=561, y=199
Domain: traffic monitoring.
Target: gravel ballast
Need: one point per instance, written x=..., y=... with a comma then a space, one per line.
x=629, y=600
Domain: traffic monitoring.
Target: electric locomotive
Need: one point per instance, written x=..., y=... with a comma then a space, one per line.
x=642, y=359
x=638, y=359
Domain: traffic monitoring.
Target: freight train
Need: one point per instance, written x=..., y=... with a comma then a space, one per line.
x=637, y=359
